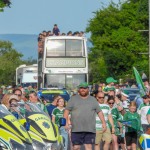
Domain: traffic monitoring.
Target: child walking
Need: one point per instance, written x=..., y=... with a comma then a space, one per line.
x=131, y=131
x=58, y=113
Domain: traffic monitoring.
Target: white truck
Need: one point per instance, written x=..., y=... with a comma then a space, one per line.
x=27, y=75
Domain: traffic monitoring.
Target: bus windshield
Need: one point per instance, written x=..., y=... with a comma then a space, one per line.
x=70, y=81
x=71, y=47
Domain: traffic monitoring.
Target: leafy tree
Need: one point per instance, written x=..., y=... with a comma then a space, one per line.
x=10, y=59
x=116, y=40
x=4, y=3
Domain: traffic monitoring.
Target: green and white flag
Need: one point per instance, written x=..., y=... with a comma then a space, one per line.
x=139, y=82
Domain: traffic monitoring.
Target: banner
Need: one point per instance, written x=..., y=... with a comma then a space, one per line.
x=139, y=82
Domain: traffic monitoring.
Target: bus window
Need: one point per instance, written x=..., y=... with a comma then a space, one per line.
x=72, y=81
x=74, y=47
x=55, y=48
x=54, y=81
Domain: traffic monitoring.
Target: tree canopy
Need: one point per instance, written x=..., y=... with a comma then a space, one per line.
x=117, y=42
x=4, y=3
x=10, y=59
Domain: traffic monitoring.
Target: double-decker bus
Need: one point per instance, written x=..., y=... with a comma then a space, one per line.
x=27, y=75
x=63, y=62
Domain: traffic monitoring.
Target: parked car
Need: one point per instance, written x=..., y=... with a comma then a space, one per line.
x=132, y=93
x=48, y=94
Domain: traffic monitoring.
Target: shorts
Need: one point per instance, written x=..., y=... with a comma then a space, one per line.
x=120, y=139
x=80, y=138
x=131, y=137
x=105, y=136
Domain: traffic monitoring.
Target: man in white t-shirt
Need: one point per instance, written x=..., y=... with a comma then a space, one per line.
x=100, y=135
x=125, y=101
x=142, y=111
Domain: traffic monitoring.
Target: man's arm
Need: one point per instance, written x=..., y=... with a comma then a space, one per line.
x=66, y=116
x=148, y=118
x=111, y=122
x=101, y=117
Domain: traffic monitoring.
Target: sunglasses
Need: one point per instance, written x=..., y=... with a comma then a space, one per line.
x=111, y=103
x=18, y=94
x=100, y=97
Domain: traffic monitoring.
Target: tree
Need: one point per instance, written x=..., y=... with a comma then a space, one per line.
x=116, y=40
x=4, y=3
x=10, y=59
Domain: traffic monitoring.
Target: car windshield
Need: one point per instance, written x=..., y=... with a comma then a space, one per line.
x=49, y=94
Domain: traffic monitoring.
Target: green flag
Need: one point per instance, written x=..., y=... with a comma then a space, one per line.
x=131, y=123
x=139, y=82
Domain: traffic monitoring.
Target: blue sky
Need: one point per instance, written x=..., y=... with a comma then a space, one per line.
x=34, y=16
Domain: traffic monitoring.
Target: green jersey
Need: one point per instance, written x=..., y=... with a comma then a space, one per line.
x=134, y=119
x=58, y=113
x=116, y=116
x=106, y=111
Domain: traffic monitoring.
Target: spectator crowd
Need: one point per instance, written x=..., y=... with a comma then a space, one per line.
x=103, y=116
x=55, y=32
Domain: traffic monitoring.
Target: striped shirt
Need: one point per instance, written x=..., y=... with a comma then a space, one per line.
x=126, y=104
x=106, y=111
x=142, y=111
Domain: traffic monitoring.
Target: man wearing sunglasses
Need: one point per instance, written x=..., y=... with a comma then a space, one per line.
x=83, y=109
x=18, y=92
x=100, y=135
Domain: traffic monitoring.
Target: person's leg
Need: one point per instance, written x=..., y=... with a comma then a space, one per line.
x=107, y=137
x=89, y=139
x=70, y=143
x=98, y=139
x=88, y=146
x=77, y=140
x=76, y=147
x=115, y=142
x=111, y=146
x=134, y=141
x=128, y=138
x=122, y=143
x=64, y=133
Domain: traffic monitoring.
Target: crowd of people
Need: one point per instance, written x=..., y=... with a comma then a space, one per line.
x=55, y=32
x=105, y=118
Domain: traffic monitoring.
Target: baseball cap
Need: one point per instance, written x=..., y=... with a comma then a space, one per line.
x=14, y=97
x=124, y=94
x=83, y=84
x=110, y=80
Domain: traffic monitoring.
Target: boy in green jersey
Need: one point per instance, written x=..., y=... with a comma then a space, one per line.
x=133, y=126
